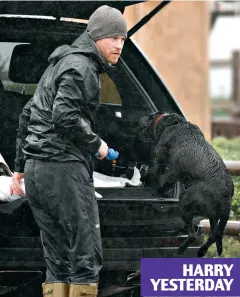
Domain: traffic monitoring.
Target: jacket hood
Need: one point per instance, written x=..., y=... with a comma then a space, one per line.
x=82, y=45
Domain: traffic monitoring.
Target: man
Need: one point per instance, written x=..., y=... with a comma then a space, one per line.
x=57, y=139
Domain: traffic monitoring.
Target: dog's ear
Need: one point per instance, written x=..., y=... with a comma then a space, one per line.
x=148, y=121
x=146, y=130
x=143, y=122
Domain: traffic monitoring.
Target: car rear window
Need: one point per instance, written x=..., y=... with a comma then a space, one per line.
x=6, y=49
x=109, y=91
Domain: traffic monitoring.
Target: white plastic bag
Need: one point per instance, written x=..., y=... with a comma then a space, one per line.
x=105, y=181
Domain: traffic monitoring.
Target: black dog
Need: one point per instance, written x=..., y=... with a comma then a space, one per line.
x=182, y=148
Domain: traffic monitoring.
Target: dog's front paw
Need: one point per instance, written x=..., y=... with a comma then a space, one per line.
x=143, y=178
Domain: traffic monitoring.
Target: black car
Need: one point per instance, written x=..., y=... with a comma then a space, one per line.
x=136, y=222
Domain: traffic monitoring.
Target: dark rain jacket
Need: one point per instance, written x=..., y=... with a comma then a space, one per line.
x=58, y=122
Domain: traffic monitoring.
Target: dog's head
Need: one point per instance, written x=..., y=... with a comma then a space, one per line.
x=153, y=125
x=148, y=124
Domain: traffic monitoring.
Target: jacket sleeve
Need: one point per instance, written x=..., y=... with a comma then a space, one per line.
x=21, y=135
x=74, y=92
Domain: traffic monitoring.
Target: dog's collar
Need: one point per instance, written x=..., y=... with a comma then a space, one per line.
x=159, y=117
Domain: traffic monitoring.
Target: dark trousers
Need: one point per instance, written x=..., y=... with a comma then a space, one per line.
x=62, y=198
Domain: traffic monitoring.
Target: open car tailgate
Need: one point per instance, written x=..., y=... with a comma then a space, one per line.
x=71, y=9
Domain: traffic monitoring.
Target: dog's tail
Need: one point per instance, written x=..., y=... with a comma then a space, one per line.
x=223, y=219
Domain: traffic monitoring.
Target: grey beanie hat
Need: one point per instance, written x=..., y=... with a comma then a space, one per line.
x=106, y=22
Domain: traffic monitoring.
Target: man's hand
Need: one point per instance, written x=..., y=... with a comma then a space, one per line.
x=103, y=150
x=15, y=186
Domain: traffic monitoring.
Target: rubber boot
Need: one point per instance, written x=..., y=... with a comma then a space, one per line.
x=55, y=289
x=89, y=290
